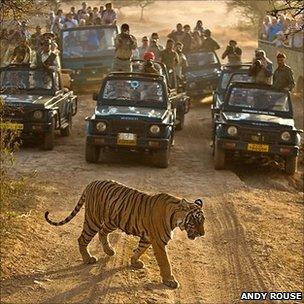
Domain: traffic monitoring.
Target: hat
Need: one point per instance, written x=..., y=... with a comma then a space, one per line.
x=149, y=56
x=125, y=26
x=281, y=55
x=232, y=41
x=154, y=36
x=49, y=35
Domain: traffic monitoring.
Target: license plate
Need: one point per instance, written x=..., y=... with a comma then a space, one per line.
x=258, y=148
x=126, y=139
x=11, y=126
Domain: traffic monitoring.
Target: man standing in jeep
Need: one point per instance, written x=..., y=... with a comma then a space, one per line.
x=261, y=69
x=283, y=75
x=124, y=44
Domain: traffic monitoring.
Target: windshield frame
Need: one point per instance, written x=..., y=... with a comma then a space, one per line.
x=116, y=102
x=230, y=108
x=237, y=70
x=201, y=67
x=31, y=91
x=90, y=27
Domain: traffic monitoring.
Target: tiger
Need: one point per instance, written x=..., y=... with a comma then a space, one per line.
x=110, y=205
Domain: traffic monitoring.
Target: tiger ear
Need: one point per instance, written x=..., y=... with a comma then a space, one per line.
x=199, y=202
x=184, y=203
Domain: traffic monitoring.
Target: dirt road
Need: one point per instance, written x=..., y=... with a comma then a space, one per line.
x=253, y=227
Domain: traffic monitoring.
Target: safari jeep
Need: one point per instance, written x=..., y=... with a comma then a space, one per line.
x=202, y=73
x=256, y=121
x=229, y=73
x=89, y=52
x=177, y=96
x=37, y=102
x=133, y=113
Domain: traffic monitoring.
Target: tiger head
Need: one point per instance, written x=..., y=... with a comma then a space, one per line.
x=194, y=221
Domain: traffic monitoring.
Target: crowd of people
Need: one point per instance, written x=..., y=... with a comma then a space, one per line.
x=87, y=15
x=41, y=49
x=283, y=31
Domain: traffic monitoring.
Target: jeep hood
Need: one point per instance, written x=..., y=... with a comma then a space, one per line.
x=201, y=73
x=25, y=100
x=132, y=113
x=258, y=119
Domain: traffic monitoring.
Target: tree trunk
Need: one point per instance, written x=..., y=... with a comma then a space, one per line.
x=142, y=13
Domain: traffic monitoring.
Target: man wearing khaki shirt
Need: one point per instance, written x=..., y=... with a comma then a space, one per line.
x=124, y=44
x=283, y=75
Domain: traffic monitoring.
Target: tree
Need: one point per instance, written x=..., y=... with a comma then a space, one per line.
x=143, y=4
x=295, y=8
x=251, y=9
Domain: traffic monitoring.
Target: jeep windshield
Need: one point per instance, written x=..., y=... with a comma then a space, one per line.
x=257, y=100
x=237, y=77
x=26, y=80
x=199, y=60
x=88, y=42
x=125, y=92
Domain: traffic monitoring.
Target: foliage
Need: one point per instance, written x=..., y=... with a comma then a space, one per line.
x=253, y=10
x=295, y=8
x=15, y=9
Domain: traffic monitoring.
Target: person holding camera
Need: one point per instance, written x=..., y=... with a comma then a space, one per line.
x=124, y=45
x=283, y=76
x=233, y=53
x=261, y=69
x=149, y=66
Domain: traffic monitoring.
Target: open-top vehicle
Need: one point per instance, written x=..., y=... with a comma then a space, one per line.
x=229, y=73
x=133, y=113
x=88, y=51
x=38, y=102
x=256, y=121
x=202, y=73
x=177, y=96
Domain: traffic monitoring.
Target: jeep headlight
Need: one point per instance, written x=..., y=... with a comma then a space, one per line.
x=38, y=114
x=154, y=129
x=232, y=131
x=285, y=136
x=101, y=126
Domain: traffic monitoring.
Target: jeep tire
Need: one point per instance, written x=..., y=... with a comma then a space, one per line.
x=161, y=158
x=291, y=165
x=49, y=137
x=181, y=122
x=91, y=153
x=219, y=156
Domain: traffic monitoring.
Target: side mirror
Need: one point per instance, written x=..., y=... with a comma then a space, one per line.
x=95, y=96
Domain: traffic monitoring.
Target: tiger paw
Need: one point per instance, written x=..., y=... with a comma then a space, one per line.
x=172, y=283
x=109, y=251
x=90, y=260
x=137, y=264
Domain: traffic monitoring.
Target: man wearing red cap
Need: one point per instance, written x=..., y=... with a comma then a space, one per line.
x=149, y=66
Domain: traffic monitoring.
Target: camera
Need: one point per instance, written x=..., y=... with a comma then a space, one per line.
x=230, y=49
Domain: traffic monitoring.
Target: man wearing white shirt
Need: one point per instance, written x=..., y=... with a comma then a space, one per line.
x=70, y=22
x=109, y=15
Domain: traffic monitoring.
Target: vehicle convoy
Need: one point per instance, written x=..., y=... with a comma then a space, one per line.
x=177, y=96
x=88, y=51
x=202, y=73
x=256, y=121
x=229, y=73
x=38, y=102
x=133, y=113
